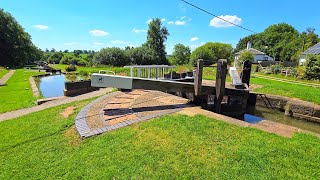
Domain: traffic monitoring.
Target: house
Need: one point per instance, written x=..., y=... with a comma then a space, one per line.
x=258, y=55
x=313, y=50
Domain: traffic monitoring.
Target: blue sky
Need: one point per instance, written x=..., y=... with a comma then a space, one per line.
x=94, y=24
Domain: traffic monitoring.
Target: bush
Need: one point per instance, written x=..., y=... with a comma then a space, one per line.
x=312, y=67
x=276, y=69
x=71, y=68
x=83, y=73
x=111, y=56
x=82, y=62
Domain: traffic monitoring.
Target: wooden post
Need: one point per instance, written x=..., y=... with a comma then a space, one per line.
x=220, y=83
x=198, y=78
x=246, y=72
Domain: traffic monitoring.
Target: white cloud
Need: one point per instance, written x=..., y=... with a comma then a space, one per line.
x=97, y=43
x=98, y=33
x=183, y=17
x=163, y=19
x=138, y=30
x=194, y=39
x=216, y=22
x=170, y=22
x=70, y=43
x=41, y=27
x=118, y=42
x=180, y=23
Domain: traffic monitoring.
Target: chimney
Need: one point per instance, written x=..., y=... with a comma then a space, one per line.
x=249, y=45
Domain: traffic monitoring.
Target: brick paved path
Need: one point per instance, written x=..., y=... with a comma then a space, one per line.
x=64, y=100
x=7, y=76
x=121, y=109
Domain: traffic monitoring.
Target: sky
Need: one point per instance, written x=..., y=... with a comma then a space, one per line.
x=96, y=24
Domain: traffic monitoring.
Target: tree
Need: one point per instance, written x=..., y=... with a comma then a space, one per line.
x=66, y=51
x=111, y=56
x=202, y=53
x=156, y=38
x=312, y=67
x=52, y=50
x=246, y=56
x=181, y=54
x=309, y=38
x=55, y=57
x=141, y=56
x=281, y=41
x=16, y=48
x=212, y=52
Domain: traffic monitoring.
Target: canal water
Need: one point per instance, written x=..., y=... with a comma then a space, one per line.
x=52, y=86
x=256, y=114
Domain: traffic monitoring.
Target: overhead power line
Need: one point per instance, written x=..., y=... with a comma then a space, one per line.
x=218, y=16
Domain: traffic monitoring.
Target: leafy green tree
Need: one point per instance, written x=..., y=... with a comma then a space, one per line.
x=309, y=38
x=55, y=57
x=111, y=56
x=53, y=50
x=16, y=48
x=141, y=56
x=212, y=52
x=246, y=56
x=66, y=51
x=181, y=54
x=202, y=53
x=156, y=38
x=281, y=41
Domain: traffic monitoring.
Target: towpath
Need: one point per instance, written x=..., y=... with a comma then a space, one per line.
x=60, y=101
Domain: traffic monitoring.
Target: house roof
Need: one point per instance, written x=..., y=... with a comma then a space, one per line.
x=254, y=51
x=313, y=50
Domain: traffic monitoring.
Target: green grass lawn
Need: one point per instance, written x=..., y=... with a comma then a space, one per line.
x=288, y=78
x=45, y=145
x=3, y=72
x=306, y=93
x=14, y=95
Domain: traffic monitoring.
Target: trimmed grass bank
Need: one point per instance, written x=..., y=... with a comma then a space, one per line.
x=14, y=95
x=45, y=145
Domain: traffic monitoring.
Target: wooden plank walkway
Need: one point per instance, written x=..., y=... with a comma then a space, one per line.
x=6, y=77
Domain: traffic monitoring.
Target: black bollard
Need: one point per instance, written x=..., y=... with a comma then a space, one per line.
x=246, y=72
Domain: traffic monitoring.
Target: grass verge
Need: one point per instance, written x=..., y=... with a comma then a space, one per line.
x=3, y=71
x=15, y=95
x=45, y=145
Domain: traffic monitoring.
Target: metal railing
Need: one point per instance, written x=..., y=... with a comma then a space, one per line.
x=151, y=71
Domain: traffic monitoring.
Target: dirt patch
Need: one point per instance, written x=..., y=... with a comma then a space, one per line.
x=67, y=112
x=255, y=86
x=72, y=136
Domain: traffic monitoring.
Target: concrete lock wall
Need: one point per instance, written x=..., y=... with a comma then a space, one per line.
x=76, y=88
x=291, y=107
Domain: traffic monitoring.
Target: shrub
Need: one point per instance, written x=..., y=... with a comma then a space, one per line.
x=111, y=56
x=312, y=67
x=83, y=73
x=71, y=68
x=276, y=69
x=82, y=62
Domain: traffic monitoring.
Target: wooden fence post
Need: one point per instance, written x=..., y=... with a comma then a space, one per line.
x=220, y=83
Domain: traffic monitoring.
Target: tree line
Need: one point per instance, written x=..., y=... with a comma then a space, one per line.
x=281, y=41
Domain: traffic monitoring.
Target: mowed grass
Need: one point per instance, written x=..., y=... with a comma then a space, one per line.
x=3, y=71
x=306, y=93
x=14, y=95
x=45, y=145
x=281, y=76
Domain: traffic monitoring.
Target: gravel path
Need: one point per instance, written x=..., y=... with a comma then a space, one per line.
x=7, y=76
x=65, y=100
